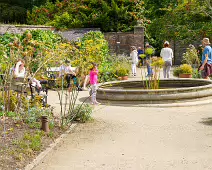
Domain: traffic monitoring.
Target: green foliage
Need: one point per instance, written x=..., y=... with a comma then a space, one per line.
x=93, y=48
x=29, y=143
x=190, y=21
x=149, y=51
x=196, y=74
x=83, y=113
x=13, y=101
x=11, y=114
x=122, y=72
x=8, y=114
x=183, y=69
x=34, y=47
x=157, y=62
x=33, y=117
x=177, y=71
x=186, y=69
x=142, y=56
x=106, y=70
x=114, y=67
x=114, y=15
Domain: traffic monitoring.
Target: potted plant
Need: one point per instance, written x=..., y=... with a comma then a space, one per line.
x=123, y=73
x=184, y=71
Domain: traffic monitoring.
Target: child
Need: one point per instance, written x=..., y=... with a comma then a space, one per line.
x=134, y=57
x=93, y=81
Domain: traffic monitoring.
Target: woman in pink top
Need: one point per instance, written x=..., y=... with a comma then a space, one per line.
x=93, y=81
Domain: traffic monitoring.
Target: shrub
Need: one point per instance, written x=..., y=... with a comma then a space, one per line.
x=176, y=71
x=122, y=72
x=83, y=113
x=186, y=69
x=190, y=56
x=149, y=51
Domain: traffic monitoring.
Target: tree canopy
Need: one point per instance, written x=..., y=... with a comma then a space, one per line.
x=186, y=21
x=108, y=15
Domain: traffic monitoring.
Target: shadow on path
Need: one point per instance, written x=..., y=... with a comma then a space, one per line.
x=117, y=103
x=207, y=121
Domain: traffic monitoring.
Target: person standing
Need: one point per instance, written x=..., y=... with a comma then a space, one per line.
x=149, y=50
x=140, y=60
x=206, y=66
x=134, y=57
x=93, y=81
x=167, y=55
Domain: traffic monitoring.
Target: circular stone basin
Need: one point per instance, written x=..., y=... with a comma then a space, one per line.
x=169, y=89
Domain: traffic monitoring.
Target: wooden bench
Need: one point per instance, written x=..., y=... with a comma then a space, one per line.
x=19, y=85
x=53, y=75
x=23, y=86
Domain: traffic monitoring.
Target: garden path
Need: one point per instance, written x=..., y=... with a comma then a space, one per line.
x=132, y=138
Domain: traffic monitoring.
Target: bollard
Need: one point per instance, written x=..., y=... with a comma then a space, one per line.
x=45, y=124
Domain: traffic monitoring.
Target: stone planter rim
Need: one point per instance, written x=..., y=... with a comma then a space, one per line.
x=158, y=95
x=155, y=90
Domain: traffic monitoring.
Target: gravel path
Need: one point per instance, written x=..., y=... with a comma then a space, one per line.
x=131, y=138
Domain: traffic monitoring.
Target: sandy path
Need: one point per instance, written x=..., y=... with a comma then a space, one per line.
x=132, y=138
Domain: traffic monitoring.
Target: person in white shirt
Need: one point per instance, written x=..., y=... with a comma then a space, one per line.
x=134, y=57
x=20, y=72
x=167, y=55
x=65, y=70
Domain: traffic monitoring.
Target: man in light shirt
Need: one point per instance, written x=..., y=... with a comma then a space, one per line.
x=65, y=70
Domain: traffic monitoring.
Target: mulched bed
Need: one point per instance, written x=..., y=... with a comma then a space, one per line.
x=11, y=131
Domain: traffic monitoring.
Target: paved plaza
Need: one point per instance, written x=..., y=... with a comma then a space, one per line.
x=136, y=138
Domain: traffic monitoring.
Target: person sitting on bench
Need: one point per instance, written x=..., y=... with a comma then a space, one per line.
x=20, y=72
x=65, y=70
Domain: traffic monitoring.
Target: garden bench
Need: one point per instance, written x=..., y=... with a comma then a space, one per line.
x=54, y=71
x=19, y=85
x=53, y=74
x=22, y=86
